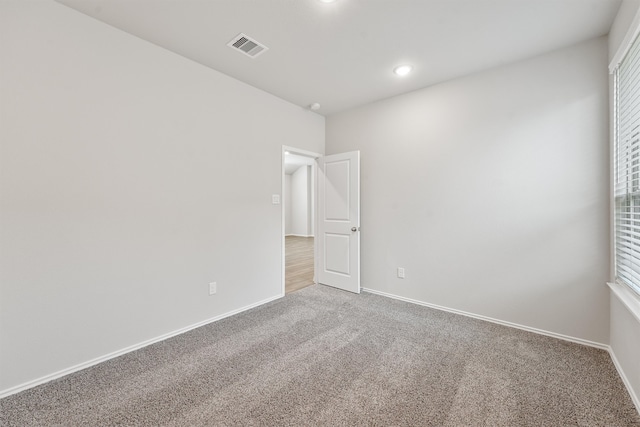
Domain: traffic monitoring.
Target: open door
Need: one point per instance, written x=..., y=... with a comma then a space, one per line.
x=338, y=233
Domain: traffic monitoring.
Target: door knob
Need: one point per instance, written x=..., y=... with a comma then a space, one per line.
x=354, y=229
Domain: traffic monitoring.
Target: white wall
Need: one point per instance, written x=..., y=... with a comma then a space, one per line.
x=287, y=205
x=492, y=192
x=301, y=201
x=625, y=327
x=625, y=342
x=116, y=203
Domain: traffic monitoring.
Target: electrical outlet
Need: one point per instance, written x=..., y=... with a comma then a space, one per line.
x=213, y=288
x=401, y=272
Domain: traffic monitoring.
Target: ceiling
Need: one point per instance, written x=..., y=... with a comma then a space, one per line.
x=342, y=54
x=293, y=161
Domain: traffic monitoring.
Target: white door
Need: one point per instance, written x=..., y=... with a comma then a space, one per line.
x=338, y=231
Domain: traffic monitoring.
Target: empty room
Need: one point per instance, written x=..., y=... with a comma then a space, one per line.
x=459, y=176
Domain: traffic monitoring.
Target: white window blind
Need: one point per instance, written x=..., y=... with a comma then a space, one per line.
x=627, y=168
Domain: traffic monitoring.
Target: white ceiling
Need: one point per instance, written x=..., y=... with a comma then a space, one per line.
x=293, y=161
x=342, y=54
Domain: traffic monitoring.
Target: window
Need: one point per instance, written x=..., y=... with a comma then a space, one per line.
x=627, y=167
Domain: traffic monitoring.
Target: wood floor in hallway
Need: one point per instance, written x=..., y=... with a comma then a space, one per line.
x=298, y=263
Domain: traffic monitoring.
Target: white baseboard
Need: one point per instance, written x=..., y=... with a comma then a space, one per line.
x=625, y=380
x=92, y=362
x=298, y=235
x=492, y=320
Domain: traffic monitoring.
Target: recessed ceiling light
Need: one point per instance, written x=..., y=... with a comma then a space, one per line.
x=315, y=106
x=403, y=70
x=327, y=1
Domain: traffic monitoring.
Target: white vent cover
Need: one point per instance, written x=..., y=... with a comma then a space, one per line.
x=247, y=45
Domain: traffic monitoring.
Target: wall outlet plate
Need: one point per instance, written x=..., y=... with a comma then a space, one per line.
x=401, y=272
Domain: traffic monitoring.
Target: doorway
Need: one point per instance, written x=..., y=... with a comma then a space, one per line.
x=299, y=172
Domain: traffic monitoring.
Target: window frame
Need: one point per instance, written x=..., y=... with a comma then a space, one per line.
x=631, y=198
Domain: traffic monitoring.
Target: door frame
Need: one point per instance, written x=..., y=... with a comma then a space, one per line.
x=315, y=156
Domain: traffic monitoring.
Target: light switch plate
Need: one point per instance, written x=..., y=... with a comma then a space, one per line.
x=401, y=272
x=275, y=199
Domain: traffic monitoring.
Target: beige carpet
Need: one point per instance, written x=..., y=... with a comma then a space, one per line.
x=321, y=356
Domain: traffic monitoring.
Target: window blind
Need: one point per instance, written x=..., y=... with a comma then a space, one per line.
x=627, y=168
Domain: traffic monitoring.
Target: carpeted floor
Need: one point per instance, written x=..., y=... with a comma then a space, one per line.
x=321, y=356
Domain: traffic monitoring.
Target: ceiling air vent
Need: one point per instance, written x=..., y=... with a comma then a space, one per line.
x=246, y=45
